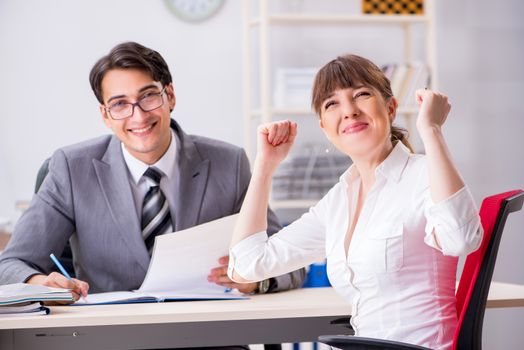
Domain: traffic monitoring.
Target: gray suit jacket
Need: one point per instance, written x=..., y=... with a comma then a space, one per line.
x=86, y=196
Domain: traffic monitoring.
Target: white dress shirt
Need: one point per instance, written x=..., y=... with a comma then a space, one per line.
x=398, y=279
x=168, y=183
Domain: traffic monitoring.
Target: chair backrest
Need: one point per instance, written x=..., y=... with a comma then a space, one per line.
x=66, y=257
x=474, y=283
x=42, y=173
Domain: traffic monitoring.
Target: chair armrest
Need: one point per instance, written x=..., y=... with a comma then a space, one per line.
x=361, y=343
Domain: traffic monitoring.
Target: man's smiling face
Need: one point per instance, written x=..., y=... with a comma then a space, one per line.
x=146, y=135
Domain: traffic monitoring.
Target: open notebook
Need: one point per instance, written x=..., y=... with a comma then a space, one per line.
x=18, y=293
x=179, y=267
x=155, y=297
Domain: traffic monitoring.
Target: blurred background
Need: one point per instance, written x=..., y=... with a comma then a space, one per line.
x=476, y=56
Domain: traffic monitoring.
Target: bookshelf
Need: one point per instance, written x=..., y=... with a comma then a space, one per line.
x=258, y=20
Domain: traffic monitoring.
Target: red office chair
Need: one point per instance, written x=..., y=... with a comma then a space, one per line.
x=472, y=292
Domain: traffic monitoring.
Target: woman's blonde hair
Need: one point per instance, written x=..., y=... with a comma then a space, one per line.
x=348, y=71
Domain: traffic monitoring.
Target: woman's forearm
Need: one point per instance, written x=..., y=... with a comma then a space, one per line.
x=444, y=178
x=253, y=215
x=273, y=144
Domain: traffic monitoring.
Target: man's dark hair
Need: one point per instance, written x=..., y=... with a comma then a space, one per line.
x=125, y=56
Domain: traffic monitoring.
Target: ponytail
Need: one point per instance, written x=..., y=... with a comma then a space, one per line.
x=400, y=134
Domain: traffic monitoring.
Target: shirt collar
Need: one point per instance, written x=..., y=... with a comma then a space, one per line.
x=166, y=164
x=395, y=163
x=349, y=175
x=391, y=167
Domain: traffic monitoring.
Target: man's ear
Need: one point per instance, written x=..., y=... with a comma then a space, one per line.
x=105, y=115
x=171, y=98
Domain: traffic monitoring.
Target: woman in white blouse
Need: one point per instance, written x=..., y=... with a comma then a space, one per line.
x=392, y=228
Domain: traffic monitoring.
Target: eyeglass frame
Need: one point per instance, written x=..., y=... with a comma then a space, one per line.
x=137, y=104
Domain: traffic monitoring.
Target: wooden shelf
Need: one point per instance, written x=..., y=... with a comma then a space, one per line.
x=308, y=112
x=337, y=19
x=259, y=18
x=285, y=111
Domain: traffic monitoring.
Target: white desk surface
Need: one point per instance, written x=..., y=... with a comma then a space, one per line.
x=307, y=302
x=505, y=295
x=293, y=316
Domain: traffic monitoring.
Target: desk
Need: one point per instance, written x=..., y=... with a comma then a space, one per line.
x=290, y=316
x=293, y=316
x=505, y=295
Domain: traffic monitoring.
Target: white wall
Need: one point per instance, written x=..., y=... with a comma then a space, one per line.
x=48, y=47
x=481, y=51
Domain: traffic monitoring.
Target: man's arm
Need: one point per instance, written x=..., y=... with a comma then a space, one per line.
x=44, y=228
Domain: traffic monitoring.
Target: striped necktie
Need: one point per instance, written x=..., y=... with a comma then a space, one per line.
x=156, y=218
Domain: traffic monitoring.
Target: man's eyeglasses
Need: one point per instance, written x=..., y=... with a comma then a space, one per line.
x=147, y=103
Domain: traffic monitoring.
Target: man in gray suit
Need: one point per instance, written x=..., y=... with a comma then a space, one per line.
x=98, y=193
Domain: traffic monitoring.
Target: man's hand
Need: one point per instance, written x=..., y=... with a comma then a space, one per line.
x=219, y=276
x=54, y=279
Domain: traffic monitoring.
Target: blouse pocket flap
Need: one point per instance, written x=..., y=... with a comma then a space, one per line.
x=387, y=230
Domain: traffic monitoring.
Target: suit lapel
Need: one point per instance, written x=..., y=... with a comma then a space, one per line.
x=112, y=176
x=193, y=176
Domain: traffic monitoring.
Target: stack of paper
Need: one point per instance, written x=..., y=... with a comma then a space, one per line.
x=21, y=298
x=179, y=267
x=23, y=309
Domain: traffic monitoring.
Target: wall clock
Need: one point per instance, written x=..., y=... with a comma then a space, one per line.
x=194, y=10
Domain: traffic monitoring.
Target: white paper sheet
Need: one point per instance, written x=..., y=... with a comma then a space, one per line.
x=145, y=297
x=182, y=260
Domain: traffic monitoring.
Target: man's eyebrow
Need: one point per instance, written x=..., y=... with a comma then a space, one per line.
x=115, y=97
x=149, y=86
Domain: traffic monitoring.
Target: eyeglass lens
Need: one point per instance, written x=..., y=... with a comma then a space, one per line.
x=149, y=102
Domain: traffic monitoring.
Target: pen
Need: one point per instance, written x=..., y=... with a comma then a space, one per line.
x=61, y=268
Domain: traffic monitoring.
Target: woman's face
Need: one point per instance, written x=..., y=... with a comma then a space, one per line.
x=357, y=121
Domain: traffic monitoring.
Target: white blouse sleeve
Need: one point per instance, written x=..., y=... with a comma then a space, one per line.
x=453, y=225
x=299, y=244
